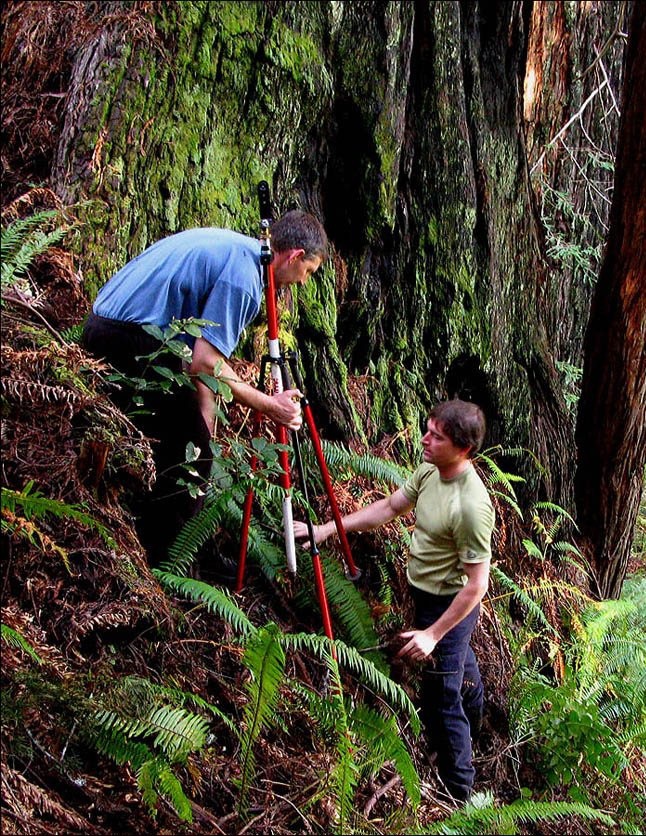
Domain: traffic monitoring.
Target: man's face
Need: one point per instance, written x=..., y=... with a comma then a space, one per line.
x=438, y=447
x=294, y=267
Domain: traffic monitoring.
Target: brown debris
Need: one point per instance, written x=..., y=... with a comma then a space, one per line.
x=40, y=41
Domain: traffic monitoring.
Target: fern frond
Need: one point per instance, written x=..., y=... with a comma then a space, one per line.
x=14, y=638
x=495, y=475
x=533, y=608
x=381, y=737
x=635, y=735
x=489, y=819
x=171, y=788
x=346, y=464
x=319, y=707
x=269, y=556
x=22, y=242
x=177, y=695
x=195, y=532
x=272, y=494
x=218, y=601
x=105, y=734
x=532, y=549
x=265, y=659
x=560, y=512
x=20, y=527
x=175, y=731
x=351, y=611
x=146, y=779
x=345, y=773
x=155, y=777
x=567, y=549
x=12, y=236
x=35, y=505
x=352, y=660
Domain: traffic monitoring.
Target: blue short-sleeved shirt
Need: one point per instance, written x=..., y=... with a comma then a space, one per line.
x=206, y=273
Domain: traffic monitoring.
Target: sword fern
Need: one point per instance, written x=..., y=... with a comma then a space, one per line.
x=482, y=816
x=265, y=659
x=351, y=612
x=345, y=773
x=20, y=509
x=16, y=639
x=369, y=675
x=380, y=736
x=22, y=241
x=346, y=464
x=136, y=723
x=218, y=601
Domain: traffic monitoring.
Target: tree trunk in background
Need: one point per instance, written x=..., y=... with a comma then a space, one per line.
x=572, y=85
x=401, y=125
x=611, y=427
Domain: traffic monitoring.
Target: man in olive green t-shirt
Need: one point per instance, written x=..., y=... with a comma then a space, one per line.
x=448, y=573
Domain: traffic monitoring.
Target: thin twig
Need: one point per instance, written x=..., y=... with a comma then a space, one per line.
x=572, y=119
x=616, y=32
x=612, y=95
x=16, y=301
x=374, y=798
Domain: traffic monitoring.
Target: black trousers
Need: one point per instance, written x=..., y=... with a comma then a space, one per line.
x=170, y=420
x=452, y=696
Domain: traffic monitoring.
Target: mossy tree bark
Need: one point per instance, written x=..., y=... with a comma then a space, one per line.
x=401, y=125
x=611, y=426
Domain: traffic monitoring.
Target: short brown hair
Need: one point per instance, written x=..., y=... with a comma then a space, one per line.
x=300, y=231
x=462, y=421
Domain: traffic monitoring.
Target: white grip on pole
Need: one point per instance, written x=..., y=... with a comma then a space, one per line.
x=288, y=529
x=288, y=514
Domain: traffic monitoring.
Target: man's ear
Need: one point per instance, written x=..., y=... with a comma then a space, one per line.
x=292, y=255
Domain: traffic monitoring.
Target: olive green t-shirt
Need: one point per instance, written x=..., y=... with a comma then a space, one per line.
x=455, y=520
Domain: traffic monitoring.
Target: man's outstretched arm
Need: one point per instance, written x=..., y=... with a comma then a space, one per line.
x=371, y=516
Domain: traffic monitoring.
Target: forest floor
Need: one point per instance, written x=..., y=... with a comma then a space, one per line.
x=87, y=624
x=77, y=588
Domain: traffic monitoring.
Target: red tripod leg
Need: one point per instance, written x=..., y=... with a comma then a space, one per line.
x=244, y=538
x=321, y=594
x=353, y=572
x=246, y=516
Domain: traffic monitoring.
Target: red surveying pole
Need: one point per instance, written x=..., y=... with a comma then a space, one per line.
x=277, y=386
x=279, y=376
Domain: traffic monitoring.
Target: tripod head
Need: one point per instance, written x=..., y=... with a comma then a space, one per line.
x=264, y=203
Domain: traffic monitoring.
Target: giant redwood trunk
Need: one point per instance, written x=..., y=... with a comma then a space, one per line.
x=401, y=124
x=611, y=429
x=572, y=87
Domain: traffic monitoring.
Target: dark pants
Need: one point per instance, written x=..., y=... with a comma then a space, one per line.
x=451, y=694
x=170, y=420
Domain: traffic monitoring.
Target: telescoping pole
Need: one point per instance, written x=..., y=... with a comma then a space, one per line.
x=275, y=369
x=275, y=359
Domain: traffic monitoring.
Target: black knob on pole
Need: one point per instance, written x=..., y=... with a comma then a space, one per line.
x=264, y=200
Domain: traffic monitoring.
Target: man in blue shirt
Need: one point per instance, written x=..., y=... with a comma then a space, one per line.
x=211, y=274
